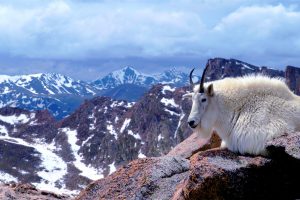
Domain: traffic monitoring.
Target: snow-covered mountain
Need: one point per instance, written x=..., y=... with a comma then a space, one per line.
x=174, y=77
x=61, y=95
x=129, y=75
x=55, y=92
x=129, y=84
x=45, y=84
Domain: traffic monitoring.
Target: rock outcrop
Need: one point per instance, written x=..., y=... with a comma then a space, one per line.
x=147, y=178
x=194, y=144
x=27, y=192
x=292, y=75
x=219, y=68
x=211, y=174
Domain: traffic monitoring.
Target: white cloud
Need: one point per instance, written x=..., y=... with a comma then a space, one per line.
x=262, y=32
x=63, y=29
x=259, y=21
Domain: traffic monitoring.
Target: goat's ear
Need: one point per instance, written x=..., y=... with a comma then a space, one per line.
x=210, y=90
x=187, y=96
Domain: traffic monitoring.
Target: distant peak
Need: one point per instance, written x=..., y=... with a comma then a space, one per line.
x=130, y=69
x=172, y=70
x=126, y=71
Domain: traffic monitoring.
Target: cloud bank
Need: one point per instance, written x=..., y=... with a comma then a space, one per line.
x=110, y=33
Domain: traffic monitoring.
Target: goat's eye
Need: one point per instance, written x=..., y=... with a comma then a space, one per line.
x=203, y=100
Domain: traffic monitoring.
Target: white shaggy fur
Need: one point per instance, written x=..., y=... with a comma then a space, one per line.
x=246, y=112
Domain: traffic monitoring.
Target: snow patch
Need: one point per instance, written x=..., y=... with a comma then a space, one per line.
x=89, y=172
x=54, y=168
x=179, y=123
x=129, y=105
x=112, y=168
x=160, y=137
x=141, y=155
x=167, y=88
x=136, y=136
x=3, y=129
x=247, y=67
x=171, y=112
x=5, y=78
x=23, y=172
x=125, y=125
x=112, y=131
x=244, y=65
x=5, y=178
x=168, y=102
x=14, y=119
x=6, y=90
x=116, y=119
x=91, y=91
x=85, y=141
x=92, y=125
x=116, y=103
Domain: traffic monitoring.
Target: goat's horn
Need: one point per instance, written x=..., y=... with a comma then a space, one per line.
x=191, y=78
x=201, y=88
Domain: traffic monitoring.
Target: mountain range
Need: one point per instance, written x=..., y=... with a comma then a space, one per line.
x=129, y=75
x=103, y=133
x=61, y=95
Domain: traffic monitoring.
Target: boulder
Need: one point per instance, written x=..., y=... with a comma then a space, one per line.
x=27, y=192
x=210, y=174
x=193, y=144
x=147, y=178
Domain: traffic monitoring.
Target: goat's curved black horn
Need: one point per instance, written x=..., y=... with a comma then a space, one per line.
x=201, y=88
x=191, y=78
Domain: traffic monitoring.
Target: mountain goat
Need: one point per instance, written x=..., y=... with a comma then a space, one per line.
x=246, y=112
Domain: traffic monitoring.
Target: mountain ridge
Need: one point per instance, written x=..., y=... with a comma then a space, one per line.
x=61, y=95
x=129, y=75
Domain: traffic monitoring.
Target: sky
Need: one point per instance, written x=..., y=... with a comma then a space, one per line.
x=86, y=39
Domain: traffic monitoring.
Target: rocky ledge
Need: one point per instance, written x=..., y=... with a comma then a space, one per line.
x=27, y=192
x=207, y=174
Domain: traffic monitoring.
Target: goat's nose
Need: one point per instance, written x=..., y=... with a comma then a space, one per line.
x=192, y=123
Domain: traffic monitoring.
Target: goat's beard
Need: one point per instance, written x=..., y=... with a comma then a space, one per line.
x=202, y=132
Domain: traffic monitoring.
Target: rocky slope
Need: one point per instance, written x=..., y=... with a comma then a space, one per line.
x=220, y=68
x=109, y=133
x=28, y=150
x=101, y=135
x=209, y=174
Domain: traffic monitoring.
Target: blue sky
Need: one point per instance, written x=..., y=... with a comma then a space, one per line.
x=85, y=39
